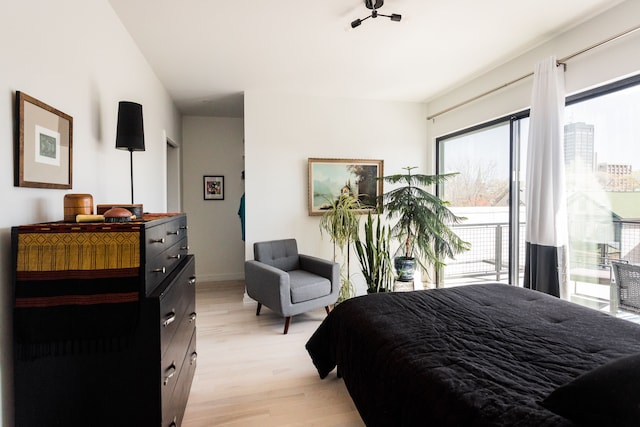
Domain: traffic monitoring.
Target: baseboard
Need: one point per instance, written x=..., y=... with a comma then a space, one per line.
x=212, y=277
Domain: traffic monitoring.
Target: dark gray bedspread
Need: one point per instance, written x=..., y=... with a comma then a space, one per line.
x=477, y=355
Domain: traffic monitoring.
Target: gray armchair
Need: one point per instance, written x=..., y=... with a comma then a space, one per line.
x=290, y=283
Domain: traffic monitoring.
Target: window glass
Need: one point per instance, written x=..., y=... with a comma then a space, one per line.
x=479, y=192
x=602, y=159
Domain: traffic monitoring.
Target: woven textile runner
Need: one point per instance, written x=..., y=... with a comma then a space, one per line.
x=50, y=254
x=76, y=283
x=45, y=254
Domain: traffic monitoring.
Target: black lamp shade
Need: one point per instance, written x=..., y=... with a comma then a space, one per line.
x=130, y=132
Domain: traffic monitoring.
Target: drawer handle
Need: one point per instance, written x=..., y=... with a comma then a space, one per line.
x=171, y=372
x=170, y=319
x=178, y=256
x=160, y=240
x=159, y=270
x=192, y=280
x=192, y=317
x=173, y=233
x=194, y=357
x=184, y=227
x=184, y=248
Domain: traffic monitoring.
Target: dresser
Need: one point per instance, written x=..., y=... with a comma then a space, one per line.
x=104, y=322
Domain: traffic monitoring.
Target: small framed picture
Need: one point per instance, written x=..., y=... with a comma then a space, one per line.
x=43, y=145
x=213, y=187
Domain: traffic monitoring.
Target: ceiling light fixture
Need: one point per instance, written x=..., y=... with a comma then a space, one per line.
x=374, y=13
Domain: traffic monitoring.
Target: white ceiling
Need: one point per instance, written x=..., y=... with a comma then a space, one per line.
x=208, y=52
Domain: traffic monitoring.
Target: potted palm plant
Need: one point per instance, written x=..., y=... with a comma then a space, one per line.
x=341, y=222
x=373, y=254
x=423, y=223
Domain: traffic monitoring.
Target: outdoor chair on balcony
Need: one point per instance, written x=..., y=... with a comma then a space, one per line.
x=625, y=292
x=290, y=283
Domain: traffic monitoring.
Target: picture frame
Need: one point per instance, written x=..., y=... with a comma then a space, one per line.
x=43, y=151
x=213, y=187
x=328, y=178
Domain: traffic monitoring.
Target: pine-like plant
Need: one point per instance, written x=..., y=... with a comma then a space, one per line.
x=423, y=220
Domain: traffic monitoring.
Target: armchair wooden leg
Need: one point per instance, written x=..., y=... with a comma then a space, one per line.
x=287, y=322
x=328, y=309
x=258, y=309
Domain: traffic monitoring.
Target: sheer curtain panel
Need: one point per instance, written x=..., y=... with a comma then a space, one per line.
x=546, y=231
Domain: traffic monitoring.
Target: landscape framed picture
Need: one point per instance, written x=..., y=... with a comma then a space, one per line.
x=213, y=187
x=328, y=178
x=43, y=154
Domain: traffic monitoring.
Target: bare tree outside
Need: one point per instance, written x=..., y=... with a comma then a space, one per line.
x=477, y=184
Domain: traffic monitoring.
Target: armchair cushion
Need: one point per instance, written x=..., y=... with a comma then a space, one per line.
x=281, y=254
x=306, y=286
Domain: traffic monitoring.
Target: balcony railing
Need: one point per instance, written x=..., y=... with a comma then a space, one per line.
x=488, y=258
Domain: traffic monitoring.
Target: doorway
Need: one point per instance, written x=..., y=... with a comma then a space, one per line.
x=174, y=195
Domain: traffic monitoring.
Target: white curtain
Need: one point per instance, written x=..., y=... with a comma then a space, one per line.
x=545, y=195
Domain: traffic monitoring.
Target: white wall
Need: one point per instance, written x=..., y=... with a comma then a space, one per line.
x=610, y=62
x=213, y=146
x=76, y=56
x=282, y=131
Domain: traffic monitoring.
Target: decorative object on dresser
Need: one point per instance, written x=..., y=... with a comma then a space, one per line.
x=43, y=150
x=77, y=204
x=136, y=209
x=104, y=322
x=118, y=215
x=130, y=131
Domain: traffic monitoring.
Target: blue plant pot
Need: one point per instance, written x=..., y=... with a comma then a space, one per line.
x=405, y=268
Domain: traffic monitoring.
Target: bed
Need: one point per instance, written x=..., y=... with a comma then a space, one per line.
x=481, y=355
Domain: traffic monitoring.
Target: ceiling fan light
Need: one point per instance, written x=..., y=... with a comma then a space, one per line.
x=369, y=4
x=374, y=13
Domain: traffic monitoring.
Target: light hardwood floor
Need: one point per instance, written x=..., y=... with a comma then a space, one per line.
x=250, y=374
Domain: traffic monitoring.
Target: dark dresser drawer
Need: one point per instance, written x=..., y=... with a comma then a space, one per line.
x=165, y=244
x=173, y=409
x=165, y=234
x=177, y=306
x=176, y=230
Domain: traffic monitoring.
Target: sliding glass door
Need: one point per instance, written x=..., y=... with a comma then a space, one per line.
x=486, y=190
